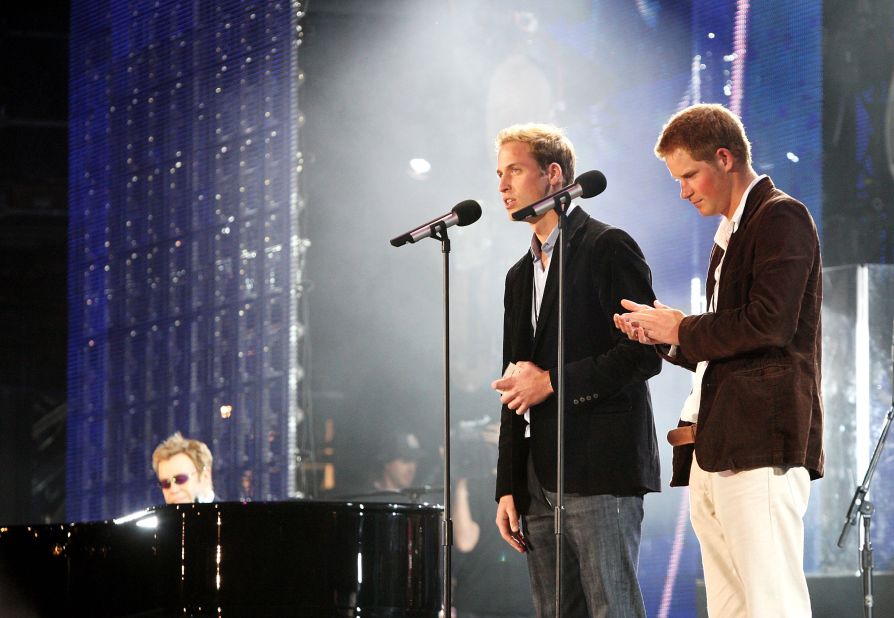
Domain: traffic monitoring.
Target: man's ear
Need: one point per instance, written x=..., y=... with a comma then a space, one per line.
x=725, y=159
x=555, y=176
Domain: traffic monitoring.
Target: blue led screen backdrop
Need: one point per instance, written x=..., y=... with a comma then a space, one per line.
x=186, y=247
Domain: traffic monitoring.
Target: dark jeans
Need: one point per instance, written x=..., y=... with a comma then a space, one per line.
x=599, y=556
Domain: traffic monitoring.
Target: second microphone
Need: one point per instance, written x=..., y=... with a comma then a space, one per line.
x=464, y=213
x=588, y=184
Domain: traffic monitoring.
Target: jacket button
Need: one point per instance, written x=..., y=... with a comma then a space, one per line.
x=589, y=397
x=575, y=402
x=595, y=395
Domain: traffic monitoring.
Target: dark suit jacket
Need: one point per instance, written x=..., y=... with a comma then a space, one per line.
x=760, y=399
x=609, y=430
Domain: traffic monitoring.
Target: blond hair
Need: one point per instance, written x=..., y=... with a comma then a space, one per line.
x=197, y=451
x=548, y=143
x=700, y=130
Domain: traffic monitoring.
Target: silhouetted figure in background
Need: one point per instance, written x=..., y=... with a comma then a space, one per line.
x=394, y=473
x=490, y=580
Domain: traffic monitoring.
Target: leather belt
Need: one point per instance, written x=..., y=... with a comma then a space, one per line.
x=682, y=435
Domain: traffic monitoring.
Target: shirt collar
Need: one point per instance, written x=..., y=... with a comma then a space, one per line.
x=728, y=227
x=537, y=249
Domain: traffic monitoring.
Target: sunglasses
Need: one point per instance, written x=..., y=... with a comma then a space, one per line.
x=180, y=479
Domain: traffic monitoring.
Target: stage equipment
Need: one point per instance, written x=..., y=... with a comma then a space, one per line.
x=588, y=184
x=863, y=509
x=464, y=213
x=188, y=285
x=229, y=559
x=858, y=311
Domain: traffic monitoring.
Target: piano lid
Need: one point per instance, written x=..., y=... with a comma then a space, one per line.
x=226, y=559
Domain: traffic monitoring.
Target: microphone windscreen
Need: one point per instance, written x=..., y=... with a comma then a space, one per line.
x=467, y=212
x=591, y=183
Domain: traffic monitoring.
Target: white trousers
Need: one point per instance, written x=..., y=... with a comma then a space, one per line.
x=750, y=526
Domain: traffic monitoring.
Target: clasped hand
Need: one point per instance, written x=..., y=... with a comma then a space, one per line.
x=650, y=325
x=526, y=387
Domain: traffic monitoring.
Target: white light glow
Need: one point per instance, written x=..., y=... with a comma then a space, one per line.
x=696, y=298
x=131, y=517
x=419, y=167
x=150, y=523
x=861, y=371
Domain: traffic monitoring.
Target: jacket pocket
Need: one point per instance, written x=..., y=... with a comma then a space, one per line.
x=744, y=413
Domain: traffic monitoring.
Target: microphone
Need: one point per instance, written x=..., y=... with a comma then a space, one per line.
x=589, y=184
x=464, y=213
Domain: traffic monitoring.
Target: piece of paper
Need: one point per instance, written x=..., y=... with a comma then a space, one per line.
x=511, y=370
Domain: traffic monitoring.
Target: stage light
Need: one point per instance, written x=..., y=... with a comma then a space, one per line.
x=419, y=168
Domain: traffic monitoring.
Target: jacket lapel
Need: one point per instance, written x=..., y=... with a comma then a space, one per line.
x=550, y=302
x=757, y=196
x=527, y=295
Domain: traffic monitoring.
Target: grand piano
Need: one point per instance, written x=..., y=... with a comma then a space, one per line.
x=229, y=559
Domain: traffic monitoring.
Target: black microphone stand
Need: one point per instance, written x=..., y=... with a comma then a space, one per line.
x=863, y=508
x=562, y=201
x=439, y=232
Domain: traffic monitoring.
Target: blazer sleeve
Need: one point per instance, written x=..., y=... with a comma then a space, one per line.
x=618, y=270
x=678, y=358
x=784, y=255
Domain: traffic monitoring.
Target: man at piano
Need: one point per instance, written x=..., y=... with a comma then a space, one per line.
x=183, y=469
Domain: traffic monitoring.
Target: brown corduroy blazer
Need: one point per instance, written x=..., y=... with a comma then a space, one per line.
x=760, y=398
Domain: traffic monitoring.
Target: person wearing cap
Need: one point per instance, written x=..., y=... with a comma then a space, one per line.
x=183, y=469
x=399, y=457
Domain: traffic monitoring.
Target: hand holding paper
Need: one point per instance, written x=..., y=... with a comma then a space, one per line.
x=523, y=385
